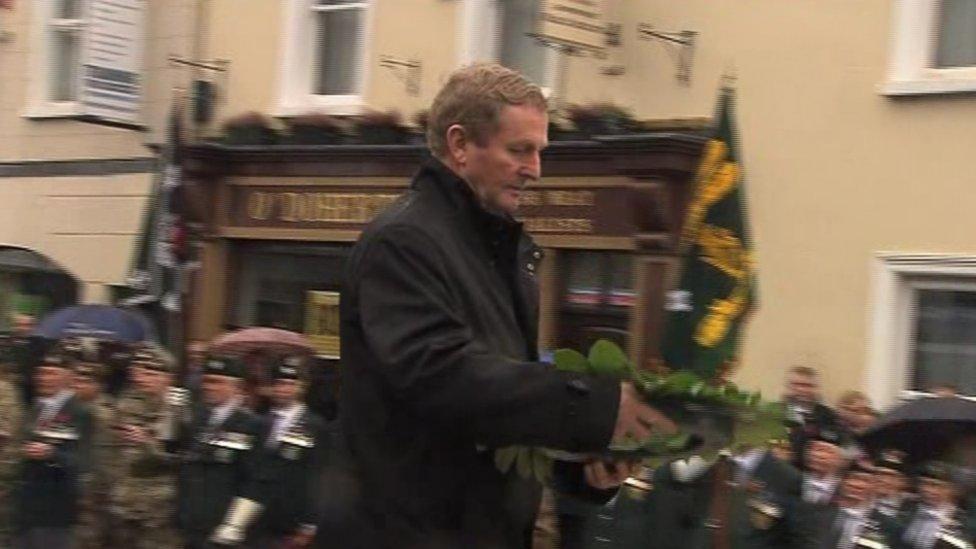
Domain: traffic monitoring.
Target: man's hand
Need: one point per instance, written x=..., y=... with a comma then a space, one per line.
x=636, y=420
x=134, y=435
x=299, y=540
x=604, y=476
x=37, y=450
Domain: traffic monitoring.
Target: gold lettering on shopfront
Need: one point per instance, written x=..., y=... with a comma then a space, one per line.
x=317, y=207
x=558, y=225
x=570, y=198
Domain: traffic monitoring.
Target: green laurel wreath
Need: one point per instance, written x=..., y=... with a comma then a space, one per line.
x=755, y=422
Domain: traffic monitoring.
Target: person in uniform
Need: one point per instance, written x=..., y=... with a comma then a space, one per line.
x=806, y=414
x=853, y=521
x=749, y=500
x=824, y=465
x=289, y=464
x=92, y=530
x=936, y=522
x=142, y=498
x=894, y=498
x=47, y=498
x=218, y=460
x=11, y=414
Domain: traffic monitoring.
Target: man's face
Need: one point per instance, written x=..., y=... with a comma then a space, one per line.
x=802, y=388
x=933, y=492
x=23, y=325
x=890, y=482
x=509, y=160
x=85, y=387
x=857, y=490
x=50, y=380
x=218, y=389
x=824, y=458
x=284, y=392
x=195, y=352
x=152, y=382
x=855, y=414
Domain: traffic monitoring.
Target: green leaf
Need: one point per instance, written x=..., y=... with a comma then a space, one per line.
x=606, y=358
x=505, y=457
x=541, y=466
x=523, y=463
x=570, y=360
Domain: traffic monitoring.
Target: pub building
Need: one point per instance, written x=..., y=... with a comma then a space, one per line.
x=280, y=222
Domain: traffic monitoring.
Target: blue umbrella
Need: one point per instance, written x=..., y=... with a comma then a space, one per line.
x=97, y=321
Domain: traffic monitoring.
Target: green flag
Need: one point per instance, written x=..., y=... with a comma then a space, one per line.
x=706, y=312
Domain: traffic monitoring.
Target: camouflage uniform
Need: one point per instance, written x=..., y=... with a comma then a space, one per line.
x=93, y=519
x=143, y=490
x=11, y=414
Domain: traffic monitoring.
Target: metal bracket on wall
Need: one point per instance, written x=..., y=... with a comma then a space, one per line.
x=682, y=42
x=406, y=70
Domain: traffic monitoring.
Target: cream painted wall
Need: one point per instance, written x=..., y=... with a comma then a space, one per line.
x=834, y=171
x=87, y=224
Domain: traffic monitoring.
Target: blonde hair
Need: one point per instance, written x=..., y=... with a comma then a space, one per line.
x=473, y=98
x=850, y=397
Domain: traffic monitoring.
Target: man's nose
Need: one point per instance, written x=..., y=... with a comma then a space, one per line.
x=533, y=168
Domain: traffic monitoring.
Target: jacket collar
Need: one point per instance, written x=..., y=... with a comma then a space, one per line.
x=449, y=185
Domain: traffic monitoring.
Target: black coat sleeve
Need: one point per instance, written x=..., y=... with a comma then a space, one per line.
x=436, y=367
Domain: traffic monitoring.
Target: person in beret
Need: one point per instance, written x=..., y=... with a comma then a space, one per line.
x=48, y=492
x=217, y=474
x=935, y=522
x=291, y=455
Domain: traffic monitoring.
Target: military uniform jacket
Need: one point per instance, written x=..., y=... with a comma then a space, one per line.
x=439, y=318
x=217, y=465
x=765, y=513
x=143, y=476
x=49, y=489
x=877, y=528
x=287, y=474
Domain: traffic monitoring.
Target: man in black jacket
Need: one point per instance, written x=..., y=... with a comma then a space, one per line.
x=439, y=327
x=217, y=480
x=290, y=461
x=56, y=427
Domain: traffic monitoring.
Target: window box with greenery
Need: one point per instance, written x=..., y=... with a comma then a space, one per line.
x=381, y=128
x=250, y=128
x=602, y=119
x=316, y=129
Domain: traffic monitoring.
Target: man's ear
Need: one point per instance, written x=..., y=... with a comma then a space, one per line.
x=457, y=144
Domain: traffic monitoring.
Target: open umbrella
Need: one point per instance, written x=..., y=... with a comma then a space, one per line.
x=272, y=340
x=924, y=428
x=96, y=321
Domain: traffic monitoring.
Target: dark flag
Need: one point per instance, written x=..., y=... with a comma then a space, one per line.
x=706, y=312
x=162, y=254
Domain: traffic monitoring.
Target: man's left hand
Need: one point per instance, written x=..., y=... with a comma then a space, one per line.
x=606, y=475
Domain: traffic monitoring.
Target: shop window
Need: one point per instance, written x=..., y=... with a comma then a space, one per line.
x=933, y=47
x=923, y=326
x=292, y=288
x=325, y=52
x=597, y=297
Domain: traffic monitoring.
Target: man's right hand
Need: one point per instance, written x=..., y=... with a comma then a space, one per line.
x=636, y=420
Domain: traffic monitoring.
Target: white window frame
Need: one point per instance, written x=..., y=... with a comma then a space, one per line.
x=298, y=50
x=478, y=40
x=896, y=278
x=911, y=69
x=41, y=82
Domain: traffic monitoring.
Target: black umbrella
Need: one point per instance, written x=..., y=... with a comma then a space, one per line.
x=924, y=428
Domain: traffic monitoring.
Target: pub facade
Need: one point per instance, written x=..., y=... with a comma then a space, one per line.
x=280, y=222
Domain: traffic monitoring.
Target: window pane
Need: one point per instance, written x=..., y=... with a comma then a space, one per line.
x=957, y=37
x=69, y=9
x=945, y=348
x=64, y=69
x=622, y=280
x=517, y=50
x=338, y=2
x=339, y=52
x=584, y=283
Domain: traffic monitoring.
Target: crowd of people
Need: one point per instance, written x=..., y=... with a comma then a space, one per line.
x=818, y=488
x=207, y=460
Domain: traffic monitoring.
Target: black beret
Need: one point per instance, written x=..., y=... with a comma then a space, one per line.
x=287, y=368
x=224, y=366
